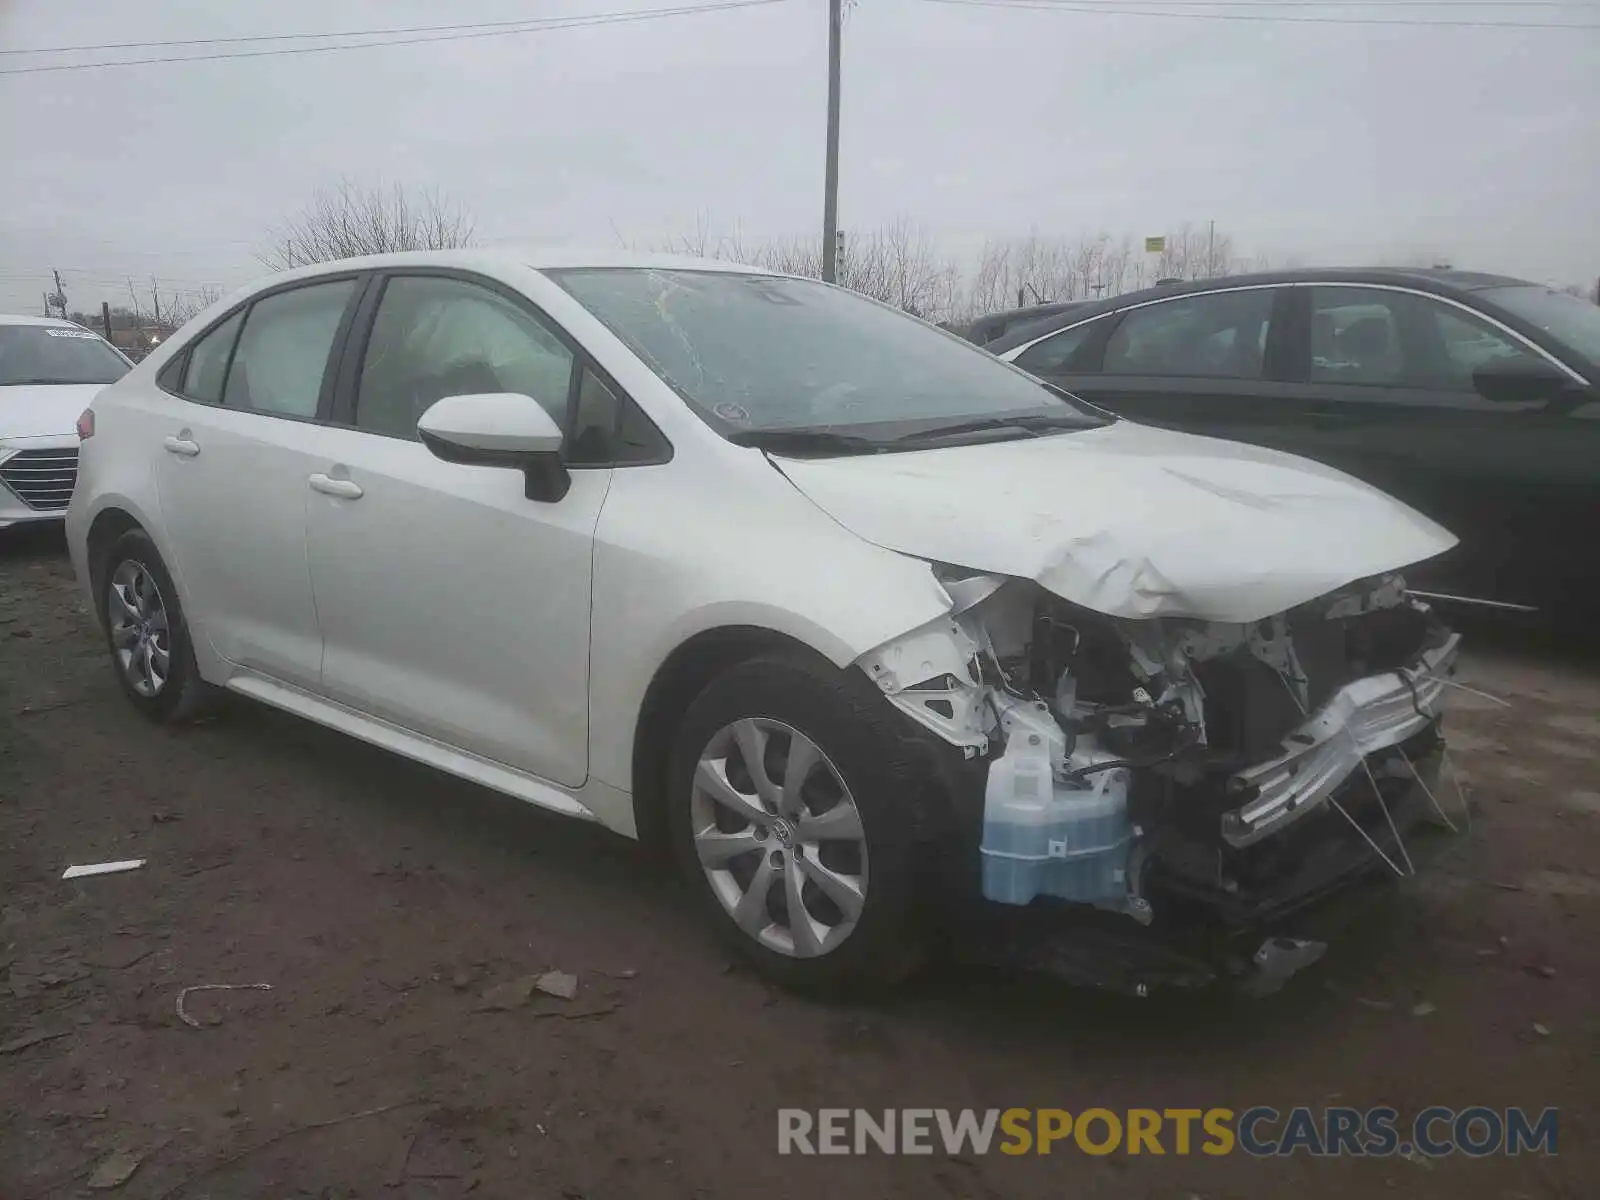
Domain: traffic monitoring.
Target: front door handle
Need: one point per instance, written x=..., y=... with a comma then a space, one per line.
x=182, y=446
x=345, y=489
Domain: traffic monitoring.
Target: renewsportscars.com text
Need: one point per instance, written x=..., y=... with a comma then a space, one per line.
x=1434, y=1132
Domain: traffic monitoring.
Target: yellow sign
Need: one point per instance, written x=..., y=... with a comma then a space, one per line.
x=1154, y=245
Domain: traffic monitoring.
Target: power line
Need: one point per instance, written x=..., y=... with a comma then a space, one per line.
x=1118, y=11
x=530, y=26
x=282, y=37
x=515, y=26
x=1344, y=5
x=120, y=278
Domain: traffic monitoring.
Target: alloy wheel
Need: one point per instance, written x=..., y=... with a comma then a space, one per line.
x=141, y=637
x=779, y=837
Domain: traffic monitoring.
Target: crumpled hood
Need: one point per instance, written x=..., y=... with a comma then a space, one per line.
x=1129, y=520
x=44, y=410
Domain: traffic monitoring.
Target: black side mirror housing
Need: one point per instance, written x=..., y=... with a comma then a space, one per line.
x=1520, y=381
x=499, y=429
x=545, y=476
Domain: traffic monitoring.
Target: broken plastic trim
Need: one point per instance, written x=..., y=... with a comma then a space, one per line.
x=931, y=674
x=1361, y=718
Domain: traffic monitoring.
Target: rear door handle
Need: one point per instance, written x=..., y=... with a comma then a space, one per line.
x=182, y=446
x=346, y=489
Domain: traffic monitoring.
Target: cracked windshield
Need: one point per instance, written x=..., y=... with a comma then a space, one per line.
x=696, y=599
x=754, y=352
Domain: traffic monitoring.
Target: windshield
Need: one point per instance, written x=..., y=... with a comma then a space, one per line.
x=1573, y=322
x=56, y=354
x=758, y=352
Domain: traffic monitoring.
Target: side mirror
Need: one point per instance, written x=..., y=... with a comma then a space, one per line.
x=1519, y=381
x=499, y=429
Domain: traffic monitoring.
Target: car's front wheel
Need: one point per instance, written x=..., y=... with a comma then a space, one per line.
x=146, y=632
x=788, y=795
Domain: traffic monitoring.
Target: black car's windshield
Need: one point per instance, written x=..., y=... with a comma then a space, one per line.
x=47, y=354
x=759, y=352
x=1573, y=322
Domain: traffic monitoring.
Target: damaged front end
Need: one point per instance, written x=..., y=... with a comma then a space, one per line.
x=1177, y=789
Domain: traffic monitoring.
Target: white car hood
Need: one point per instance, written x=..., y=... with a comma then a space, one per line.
x=1129, y=520
x=44, y=410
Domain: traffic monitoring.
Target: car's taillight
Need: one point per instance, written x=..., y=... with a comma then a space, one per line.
x=86, y=424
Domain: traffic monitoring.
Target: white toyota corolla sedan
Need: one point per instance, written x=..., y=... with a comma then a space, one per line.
x=49, y=370
x=886, y=639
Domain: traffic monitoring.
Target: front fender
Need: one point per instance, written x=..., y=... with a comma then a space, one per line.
x=795, y=572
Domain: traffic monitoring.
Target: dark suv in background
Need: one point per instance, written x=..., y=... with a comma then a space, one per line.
x=1471, y=397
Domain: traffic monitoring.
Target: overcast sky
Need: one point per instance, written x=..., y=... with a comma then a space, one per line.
x=1337, y=143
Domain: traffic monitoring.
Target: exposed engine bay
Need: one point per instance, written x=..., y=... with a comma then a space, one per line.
x=1136, y=763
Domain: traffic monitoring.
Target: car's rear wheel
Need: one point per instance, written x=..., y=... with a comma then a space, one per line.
x=787, y=795
x=151, y=652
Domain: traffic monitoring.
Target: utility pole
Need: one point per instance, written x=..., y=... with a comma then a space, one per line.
x=61, y=294
x=830, y=183
x=1211, y=251
x=105, y=318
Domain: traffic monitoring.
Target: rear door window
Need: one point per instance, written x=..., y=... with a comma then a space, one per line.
x=282, y=354
x=208, y=362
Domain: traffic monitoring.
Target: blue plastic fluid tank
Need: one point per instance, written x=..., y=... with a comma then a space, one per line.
x=1041, y=837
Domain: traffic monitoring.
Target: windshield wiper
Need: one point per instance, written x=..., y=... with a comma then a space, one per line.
x=807, y=441
x=1029, y=423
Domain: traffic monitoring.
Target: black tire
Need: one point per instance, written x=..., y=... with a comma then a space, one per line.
x=183, y=696
x=861, y=736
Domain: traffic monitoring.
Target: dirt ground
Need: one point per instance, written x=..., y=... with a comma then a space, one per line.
x=381, y=901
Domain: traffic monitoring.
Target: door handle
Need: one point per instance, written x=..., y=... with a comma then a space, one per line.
x=346, y=489
x=182, y=446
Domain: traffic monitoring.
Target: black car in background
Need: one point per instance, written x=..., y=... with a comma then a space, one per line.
x=1471, y=397
x=991, y=326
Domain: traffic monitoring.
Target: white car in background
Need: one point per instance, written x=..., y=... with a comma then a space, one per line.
x=49, y=371
x=875, y=631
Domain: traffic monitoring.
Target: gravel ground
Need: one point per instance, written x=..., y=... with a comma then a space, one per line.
x=383, y=903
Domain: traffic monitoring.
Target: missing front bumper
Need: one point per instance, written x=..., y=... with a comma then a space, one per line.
x=1253, y=938
x=1362, y=718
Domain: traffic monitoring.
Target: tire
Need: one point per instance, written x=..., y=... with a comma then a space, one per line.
x=138, y=603
x=861, y=761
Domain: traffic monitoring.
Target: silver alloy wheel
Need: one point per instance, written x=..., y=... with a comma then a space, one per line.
x=779, y=837
x=140, y=636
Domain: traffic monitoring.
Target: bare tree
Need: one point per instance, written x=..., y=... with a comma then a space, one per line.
x=1016, y=272
x=351, y=219
x=179, y=307
x=792, y=256
x=897, y=262
x=900, y=263
x=1196, y=252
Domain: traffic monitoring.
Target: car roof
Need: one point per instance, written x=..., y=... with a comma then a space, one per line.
x=539, y=258
x=1049, y=309
x=26, y=319
x=1441, y=280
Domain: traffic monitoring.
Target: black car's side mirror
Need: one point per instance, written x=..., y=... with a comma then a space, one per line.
x=1519, y=381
